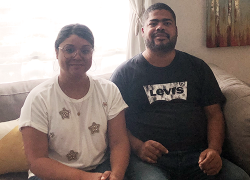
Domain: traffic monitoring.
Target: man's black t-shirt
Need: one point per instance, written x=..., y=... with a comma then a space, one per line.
x=166, y=104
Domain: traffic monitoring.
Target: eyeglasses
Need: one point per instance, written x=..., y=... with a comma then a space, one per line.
x=69, y=51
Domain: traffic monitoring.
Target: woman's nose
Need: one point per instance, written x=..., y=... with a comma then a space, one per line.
x=77, y=54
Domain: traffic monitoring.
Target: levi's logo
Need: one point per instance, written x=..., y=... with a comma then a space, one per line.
x=166, y=92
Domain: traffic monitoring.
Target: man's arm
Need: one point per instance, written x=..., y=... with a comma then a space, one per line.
x=148, y=151
x=210, y=160
x=216, y=127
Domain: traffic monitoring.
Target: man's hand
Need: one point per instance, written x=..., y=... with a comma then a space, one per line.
x=210, y=162
x=150, y=151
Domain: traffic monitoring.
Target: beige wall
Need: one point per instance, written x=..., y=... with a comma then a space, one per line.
x=191, y=22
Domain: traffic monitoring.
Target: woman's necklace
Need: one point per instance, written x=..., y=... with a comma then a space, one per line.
x=78, y=110
x=76, y=104
x=70, y=99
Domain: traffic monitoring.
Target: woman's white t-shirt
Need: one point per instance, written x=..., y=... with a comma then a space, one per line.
x=76, y=141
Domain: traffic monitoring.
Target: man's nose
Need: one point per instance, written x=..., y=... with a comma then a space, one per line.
x=160, y=27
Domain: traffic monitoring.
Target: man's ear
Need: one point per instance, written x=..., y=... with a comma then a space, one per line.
x=176, y=31
x=142, y=32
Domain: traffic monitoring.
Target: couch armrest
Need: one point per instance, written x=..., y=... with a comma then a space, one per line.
x=237, y=117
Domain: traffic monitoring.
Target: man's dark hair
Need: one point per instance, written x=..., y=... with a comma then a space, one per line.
x=157, y=6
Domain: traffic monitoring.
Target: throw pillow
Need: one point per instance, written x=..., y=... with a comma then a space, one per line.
x=12, y=156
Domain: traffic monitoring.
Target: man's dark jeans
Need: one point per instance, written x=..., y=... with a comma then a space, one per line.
x=180, y=165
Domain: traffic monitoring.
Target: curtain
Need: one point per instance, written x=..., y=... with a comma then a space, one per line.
x=135, y=43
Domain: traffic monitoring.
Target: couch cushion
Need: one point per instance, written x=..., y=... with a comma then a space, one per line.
x=237, y=116
x=13, y=95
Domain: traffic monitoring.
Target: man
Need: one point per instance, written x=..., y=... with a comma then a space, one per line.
x=174, y=119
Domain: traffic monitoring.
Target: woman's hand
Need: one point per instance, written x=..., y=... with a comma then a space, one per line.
x=90, y=175
x=108, y=175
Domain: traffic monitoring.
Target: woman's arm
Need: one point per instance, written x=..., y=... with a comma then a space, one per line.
x=36, y=149
x=119, y=146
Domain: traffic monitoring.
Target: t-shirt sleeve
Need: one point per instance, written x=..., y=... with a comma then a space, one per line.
x=117, y=104
x=120, y=80
x=211, y=92
x=34, y=113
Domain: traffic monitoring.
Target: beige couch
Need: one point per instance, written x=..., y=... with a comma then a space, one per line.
x=236, y=110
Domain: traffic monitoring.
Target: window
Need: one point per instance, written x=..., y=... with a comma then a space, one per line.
x=28, y=30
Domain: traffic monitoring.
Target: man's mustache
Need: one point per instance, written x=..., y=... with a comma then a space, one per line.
x=162, y=33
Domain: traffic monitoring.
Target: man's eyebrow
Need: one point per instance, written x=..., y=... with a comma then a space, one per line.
x=157, y=20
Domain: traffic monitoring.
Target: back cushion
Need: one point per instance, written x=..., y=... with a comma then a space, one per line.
x=12, y=97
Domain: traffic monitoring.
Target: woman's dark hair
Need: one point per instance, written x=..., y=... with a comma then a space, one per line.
x=78, y=29
x=157, y=6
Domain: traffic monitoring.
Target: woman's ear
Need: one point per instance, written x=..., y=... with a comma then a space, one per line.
x=56, y=53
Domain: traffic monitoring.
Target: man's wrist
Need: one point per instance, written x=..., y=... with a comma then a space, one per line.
x=135, y=144
x=218, y=150
x=117, y=175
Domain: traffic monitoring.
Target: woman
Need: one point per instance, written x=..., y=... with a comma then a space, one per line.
x=68, y=122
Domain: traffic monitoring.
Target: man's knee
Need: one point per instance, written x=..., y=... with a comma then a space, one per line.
x=140, y=170
x=230, y=171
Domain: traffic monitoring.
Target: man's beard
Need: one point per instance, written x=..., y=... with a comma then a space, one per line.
x=164, y=48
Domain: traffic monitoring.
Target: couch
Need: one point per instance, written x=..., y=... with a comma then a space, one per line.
x=13, y=164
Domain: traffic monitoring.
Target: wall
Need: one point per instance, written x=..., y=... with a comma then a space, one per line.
x=191, y=22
